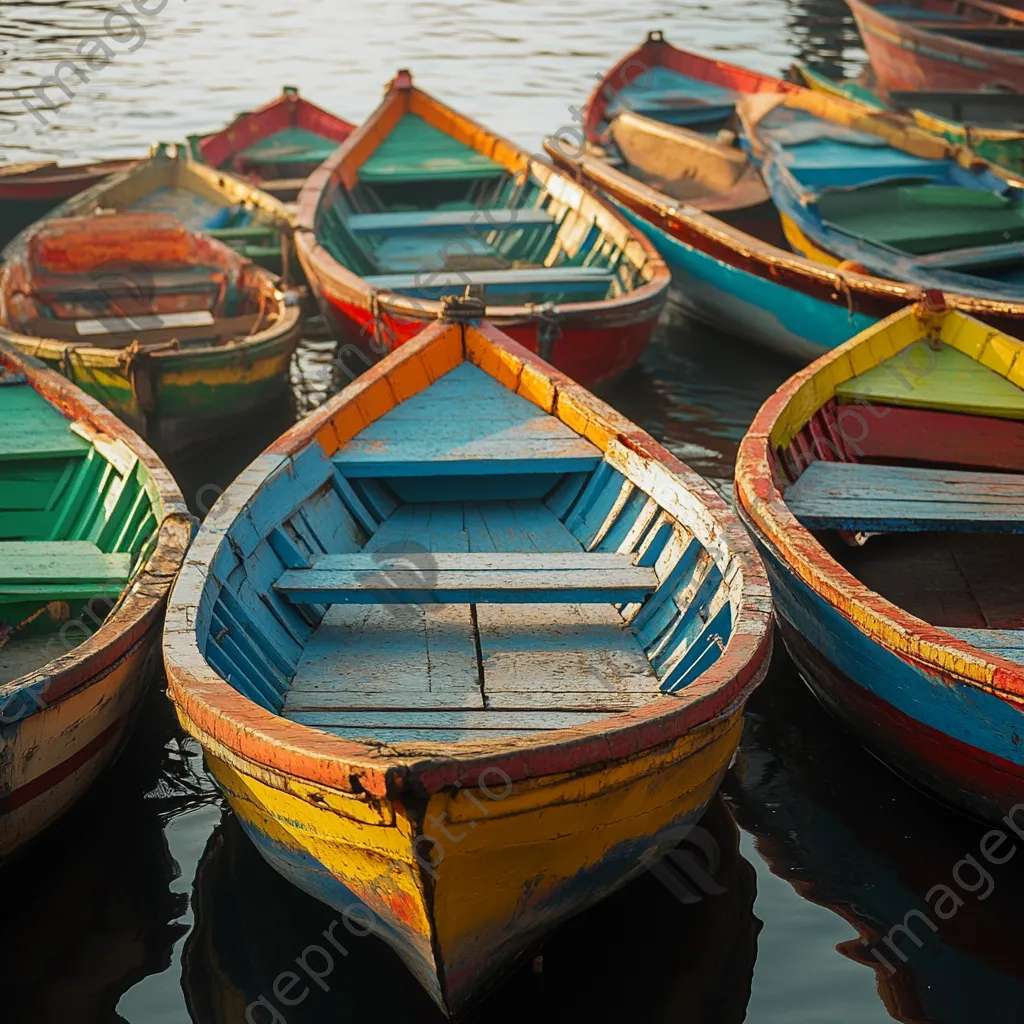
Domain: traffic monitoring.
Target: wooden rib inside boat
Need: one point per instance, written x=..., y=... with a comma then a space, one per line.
x=173, y=331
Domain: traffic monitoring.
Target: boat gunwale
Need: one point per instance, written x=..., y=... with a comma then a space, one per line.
x=336, y=280
x=760, y=258
x=764, y=508
x=216, y=712
x=138, y=611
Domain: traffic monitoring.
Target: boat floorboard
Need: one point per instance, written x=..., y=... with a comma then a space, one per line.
x=970, y=581
x=449, y=673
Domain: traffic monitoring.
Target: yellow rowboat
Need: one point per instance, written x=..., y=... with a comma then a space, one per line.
x=466, y=650
x=180, y=336
x=92, y=531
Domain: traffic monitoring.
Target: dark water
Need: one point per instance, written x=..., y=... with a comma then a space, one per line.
x=147, y=904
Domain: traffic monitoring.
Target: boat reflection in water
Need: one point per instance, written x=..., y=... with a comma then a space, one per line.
x=849, y=836
x=90, y=909
x=640, y=955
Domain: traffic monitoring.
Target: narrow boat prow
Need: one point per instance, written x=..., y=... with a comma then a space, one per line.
x=466, y=650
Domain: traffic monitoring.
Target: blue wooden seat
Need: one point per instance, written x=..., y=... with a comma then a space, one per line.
x=465, y=424
x=1005, y=643
x=430, y=222
x=893, y=499
x=577, y=283
x=430, y=577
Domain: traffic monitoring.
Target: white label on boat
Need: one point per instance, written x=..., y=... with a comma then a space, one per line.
x=118, y=325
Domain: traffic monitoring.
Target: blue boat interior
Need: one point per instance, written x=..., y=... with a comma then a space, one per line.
x=665, y=95
x=431, y=216
x=940, y=539
x=447, y=578
x=957, y=26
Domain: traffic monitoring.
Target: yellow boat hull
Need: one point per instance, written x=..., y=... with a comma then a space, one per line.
x=465, y=882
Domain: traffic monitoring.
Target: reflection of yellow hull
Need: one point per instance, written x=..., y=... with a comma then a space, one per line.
x=462, y=883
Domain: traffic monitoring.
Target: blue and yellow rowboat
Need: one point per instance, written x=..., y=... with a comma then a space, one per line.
x=853, y=190
x=92, y=531
x=466, y=650
x=884, y=486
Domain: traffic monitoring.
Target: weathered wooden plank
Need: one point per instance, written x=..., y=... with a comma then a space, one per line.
x=1005, y=643
x=471, y=578
x=854, y=496
x=944, y=380
x=371, y=650
x=432, y=222
x=547, y=277
x=529, y=720
x=586, y=649
x=495, y=431
x=32, y=428
x=46, y=563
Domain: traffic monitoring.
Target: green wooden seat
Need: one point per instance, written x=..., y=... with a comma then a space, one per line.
x=30, y=428
x=58, y=570
x=416, y=151
x=581, y=284
x=945, y=379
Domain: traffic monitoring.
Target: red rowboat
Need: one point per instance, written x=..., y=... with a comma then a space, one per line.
x=943, y=44
x=421, y=204
x=281, y=142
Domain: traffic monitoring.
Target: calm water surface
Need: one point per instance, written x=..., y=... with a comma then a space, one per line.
x=149, y=905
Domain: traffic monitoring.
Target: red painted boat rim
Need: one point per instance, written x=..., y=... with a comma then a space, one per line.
x=885, y=623
x=235, y=727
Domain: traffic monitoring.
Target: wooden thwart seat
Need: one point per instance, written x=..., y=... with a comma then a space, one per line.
x=894, y=499
x=424, y=222
x=51, y=570
x=469, y=578
x=587, y=281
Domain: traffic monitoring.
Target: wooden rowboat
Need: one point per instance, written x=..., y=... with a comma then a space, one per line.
x=747, y=284
x=990, y=124
x=177, y=334
x=92, y=531
x=659, y=81
x=903, y=205
x=371, y=640
x=912, y=435
x=29, y=190
x=943, y=44
x=421, y=203
x=204, y=199
x=277, y=146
